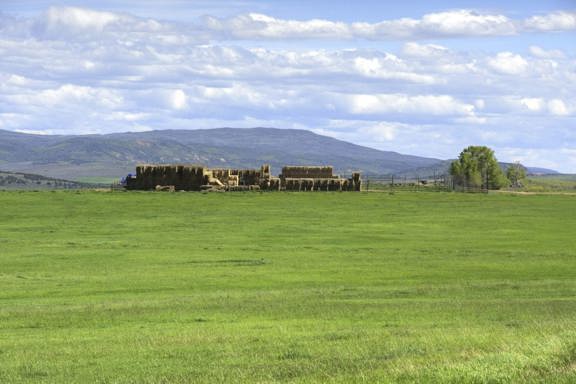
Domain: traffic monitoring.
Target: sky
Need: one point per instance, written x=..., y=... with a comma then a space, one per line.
x=416, y=77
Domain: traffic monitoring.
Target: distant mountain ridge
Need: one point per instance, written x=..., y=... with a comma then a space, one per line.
x=116, y=154
x=17, y=180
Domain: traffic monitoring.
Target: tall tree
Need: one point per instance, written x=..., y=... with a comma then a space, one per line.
x=477, y=167
x=516, y=173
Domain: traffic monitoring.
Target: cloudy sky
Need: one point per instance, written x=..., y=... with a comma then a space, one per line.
x=419, y=77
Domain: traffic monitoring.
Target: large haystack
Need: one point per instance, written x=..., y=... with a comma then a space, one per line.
x=303, y=172
x=182, y=177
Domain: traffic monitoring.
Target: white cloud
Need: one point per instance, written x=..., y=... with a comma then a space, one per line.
x=556, y=21
x=77, y=19
x=74, y=71
x=178, y=99
x=377, y=68
x=533, y=104
x=424, y=50
x=69, y=94
x=450, y=23
x=436, y=105
x=467, y=23
x=552, y=107
x=508, y=63
x=382, y=131
x=546, y=54
x=262, y=26
x=558, y=107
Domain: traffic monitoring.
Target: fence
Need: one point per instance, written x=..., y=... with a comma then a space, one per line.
x=436, y=183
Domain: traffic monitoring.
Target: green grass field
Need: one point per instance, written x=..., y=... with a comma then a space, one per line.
x=287, y=287
x=550, y=183
x=98, y=180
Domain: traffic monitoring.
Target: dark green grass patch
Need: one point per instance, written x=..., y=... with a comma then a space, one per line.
x=287, y=287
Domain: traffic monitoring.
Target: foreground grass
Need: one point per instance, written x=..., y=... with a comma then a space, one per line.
x=281, y=287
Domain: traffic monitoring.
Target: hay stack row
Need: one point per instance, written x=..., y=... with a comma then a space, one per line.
x=311, y=184
x=182, y=177
x=301, y=172
x=270, y=184
x=196, y=178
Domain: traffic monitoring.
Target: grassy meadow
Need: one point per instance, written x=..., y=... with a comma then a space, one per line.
x=140, y=287
x=550, y=183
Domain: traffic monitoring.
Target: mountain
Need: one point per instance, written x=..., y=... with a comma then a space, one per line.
x=541, y=171
x=114, y=155
x=16, y=180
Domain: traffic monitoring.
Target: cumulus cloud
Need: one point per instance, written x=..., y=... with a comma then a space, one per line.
x=454, y=23
x=540, y=52
x=467, y=23
x=442, y=24
x=556, y=21
x=74, y=70
x=508, y=63
x=558, y=107
x=70, y=19
x=533, y=104
x=435, y=105
x=178, y=99
x=255, y=25
x=424, y=50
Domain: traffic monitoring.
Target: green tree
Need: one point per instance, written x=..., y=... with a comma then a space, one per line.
x=477, y=167
x=516, y=173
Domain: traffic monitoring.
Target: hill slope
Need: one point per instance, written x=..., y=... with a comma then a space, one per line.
x=15, y=180
x=118, y=153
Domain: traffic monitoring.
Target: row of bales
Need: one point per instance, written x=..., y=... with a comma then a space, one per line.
x=197, y=178
x=299, y=178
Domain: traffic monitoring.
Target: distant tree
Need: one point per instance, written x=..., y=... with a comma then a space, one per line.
x=515, y=174
x=477, y=167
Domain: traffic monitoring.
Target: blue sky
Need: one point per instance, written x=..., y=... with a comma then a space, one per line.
x=418, y=77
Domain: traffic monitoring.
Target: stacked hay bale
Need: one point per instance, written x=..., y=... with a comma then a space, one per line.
x=310, y=178
x=249, y=176
x=232, y=181
x=165, y=188
x=307, y=184
x=265, y=171
x=356, y=181
x=182, y=177
x=301, y=172
x=196, y=178
x=274, y=184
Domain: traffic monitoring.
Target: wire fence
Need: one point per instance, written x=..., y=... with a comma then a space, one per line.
x=392, y=183
x=436, y=183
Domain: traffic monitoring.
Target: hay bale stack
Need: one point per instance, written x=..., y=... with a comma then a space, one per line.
x=357, y=181
x=265, y=171
x=310, y=184
x=233, y=181
x=165, y=188
x=193, y=178
x=182, y=177
x=302, y=172
x=221, y=174
x=249, y=176
x=289, y=184
x=275, y=184
x=333, y=184
x=345, y=185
